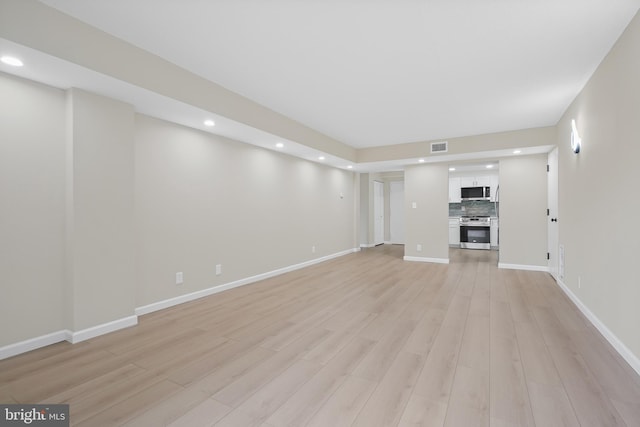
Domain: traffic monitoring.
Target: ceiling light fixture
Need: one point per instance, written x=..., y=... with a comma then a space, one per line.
x=280, y=145
x=421, y=160
x=321, y=158
x=11, y=60
x=576, y=141
x=209, y=123
x=489, y=166
x=452, y=169
x=350, y=167
x=517, y=152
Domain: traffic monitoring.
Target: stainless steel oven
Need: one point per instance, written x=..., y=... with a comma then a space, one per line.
x=475, y=232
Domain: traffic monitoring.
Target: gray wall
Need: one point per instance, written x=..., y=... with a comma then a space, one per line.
x=523, y=218
x=32, y=209
x=203, y=200
x=101, y=207
x=598, y=191
x=100, y=264
x=428, y=224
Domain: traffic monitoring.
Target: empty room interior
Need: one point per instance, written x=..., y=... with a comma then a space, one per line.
x=357, y=213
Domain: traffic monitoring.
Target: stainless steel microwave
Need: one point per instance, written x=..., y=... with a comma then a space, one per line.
x=475, y=193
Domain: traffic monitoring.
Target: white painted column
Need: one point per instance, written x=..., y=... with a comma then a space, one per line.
x=100, y=254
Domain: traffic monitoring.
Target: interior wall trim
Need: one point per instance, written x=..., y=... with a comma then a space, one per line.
x=105, y=328
x=32, y=344
x=618, y=345
x=66, y=335
x=527, y=267
x=160, y=305
x=424, y=259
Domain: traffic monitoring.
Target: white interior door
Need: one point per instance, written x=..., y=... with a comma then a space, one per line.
x=396, y=212
x=378, y=213
x=552, y=218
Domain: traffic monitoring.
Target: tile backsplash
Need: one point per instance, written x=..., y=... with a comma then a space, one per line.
x=474, y=207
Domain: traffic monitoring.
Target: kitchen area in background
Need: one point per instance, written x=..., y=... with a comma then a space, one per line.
x=474, y=211
x=423, y=207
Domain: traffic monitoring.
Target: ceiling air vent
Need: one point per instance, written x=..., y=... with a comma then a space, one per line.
x=439, y=147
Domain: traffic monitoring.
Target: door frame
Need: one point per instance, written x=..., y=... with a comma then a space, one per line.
x=378, y=213
x=552, y=217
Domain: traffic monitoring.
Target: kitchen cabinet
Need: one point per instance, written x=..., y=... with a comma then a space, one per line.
x=475, y=181
x=493, y=232
x=480, y=180
x=454, y=231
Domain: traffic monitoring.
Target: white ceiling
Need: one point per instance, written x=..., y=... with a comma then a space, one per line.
x=381, y=72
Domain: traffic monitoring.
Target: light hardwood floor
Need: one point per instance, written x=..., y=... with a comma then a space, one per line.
x=363, y=340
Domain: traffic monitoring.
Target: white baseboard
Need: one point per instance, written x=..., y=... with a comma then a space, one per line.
x=32, y=344
x=160, y=305
x=523, y=267
x=105, y=328
x=94, y=331
x=66, y=335
x=367, y=245
x=622, y=349
x=423, y=259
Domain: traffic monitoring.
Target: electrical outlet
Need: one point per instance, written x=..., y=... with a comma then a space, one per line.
x=419, y=247
x=179, y=278
x=313, y=249
x=218, y=269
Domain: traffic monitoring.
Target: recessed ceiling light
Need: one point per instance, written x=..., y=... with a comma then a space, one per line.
x=280, y=145
x=350, y=167
x=452, y=169
x=209, y=123
x=489, y=166
x=11, y=60
x=517, y=151
x=321, y=158
x=421, y=160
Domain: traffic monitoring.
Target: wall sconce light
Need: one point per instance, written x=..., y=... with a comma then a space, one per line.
x=576, y=141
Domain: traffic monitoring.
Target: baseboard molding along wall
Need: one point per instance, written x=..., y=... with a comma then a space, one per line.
x=85, y=334
x=160, y=305
x=423, y=259
x=32, y=344
x=618, y=345
x=66, y=335
x=543, y=268
x=105, y=328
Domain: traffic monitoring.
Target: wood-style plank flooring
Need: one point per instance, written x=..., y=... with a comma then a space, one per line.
x=363, y=340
